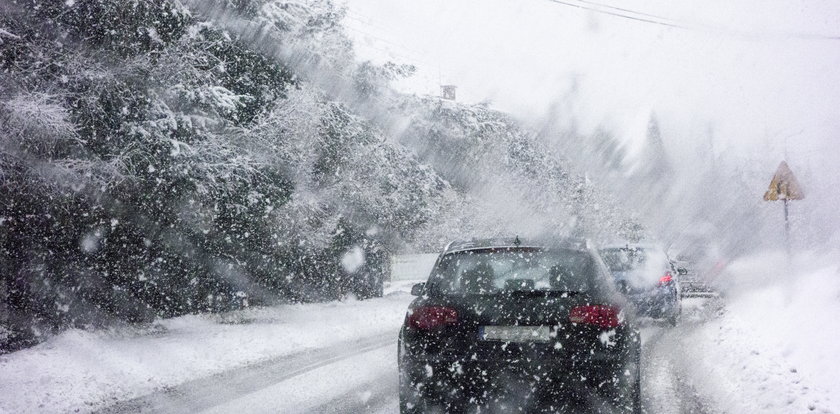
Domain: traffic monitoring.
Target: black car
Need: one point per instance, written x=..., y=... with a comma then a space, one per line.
x=512, y=326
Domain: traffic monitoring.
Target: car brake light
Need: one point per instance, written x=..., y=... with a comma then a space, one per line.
x=664, y=280
x=431, y=317
x=600, y=315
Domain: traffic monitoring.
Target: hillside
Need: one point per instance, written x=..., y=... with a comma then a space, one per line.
x=159, y=159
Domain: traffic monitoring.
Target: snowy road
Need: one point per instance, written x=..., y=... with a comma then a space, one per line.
x=357, y=376
x=665, y=386
x=361, y=376
x=292, y=383
x=338, y=357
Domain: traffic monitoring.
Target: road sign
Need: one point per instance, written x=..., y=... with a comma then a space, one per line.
x=784, y=185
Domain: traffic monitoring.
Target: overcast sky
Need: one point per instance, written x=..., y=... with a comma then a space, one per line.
x=760, y=77
x=757, y=72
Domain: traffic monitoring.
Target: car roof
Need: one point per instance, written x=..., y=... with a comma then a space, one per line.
x=641, y=245
x=648, y=247
x=516, y=242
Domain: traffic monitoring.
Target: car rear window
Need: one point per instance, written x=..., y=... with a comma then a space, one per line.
x=626, y=259
x=491, y=271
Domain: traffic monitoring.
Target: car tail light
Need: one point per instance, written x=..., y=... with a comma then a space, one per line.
x=664, y=280
x=600, y=315
x=431, y=317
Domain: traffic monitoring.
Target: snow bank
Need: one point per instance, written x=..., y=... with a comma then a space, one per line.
x=84, y=371
x=774, y=349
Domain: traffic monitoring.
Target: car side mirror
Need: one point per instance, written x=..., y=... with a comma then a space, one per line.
x=418, y=289
x=682, y=271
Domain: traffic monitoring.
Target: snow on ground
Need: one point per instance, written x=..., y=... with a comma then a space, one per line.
x=773, y=349
x=309, y=391
x=83, y=371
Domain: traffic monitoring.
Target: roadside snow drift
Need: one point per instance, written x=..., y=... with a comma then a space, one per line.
x=774, y=347
x=84, y=371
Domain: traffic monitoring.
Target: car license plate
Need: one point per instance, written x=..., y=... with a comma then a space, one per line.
x=515, y=333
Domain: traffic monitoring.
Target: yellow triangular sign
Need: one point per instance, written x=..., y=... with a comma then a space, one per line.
x=784, y=185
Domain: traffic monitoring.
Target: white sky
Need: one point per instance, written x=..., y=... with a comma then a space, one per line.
x=738, y=71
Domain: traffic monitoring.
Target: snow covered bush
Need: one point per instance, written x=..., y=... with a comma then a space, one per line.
x=155, y=164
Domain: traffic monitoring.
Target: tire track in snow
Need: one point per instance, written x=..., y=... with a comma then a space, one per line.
x=665, y=388
x=205, y=393
x=380, y=396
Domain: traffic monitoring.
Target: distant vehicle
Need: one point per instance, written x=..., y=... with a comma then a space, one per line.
x=697, y=251
x=513, y=325
x=649, y=279
x=692, y=284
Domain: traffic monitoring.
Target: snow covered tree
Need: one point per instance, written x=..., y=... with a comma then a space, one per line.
x=158, y=160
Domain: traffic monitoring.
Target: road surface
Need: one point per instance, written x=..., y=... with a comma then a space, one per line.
x=361, y=376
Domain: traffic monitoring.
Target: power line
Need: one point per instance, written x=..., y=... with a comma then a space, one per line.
x=616, y=14
x=607, y=6
x=642, y=17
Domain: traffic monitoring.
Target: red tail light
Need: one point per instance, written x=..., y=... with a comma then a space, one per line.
x=600, y=315
x=664, y=280
x=432, y=317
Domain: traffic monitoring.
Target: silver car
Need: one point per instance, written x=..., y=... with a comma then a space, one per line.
x=645, y=274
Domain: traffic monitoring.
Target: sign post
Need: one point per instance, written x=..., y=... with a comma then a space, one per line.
x=785, y=187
